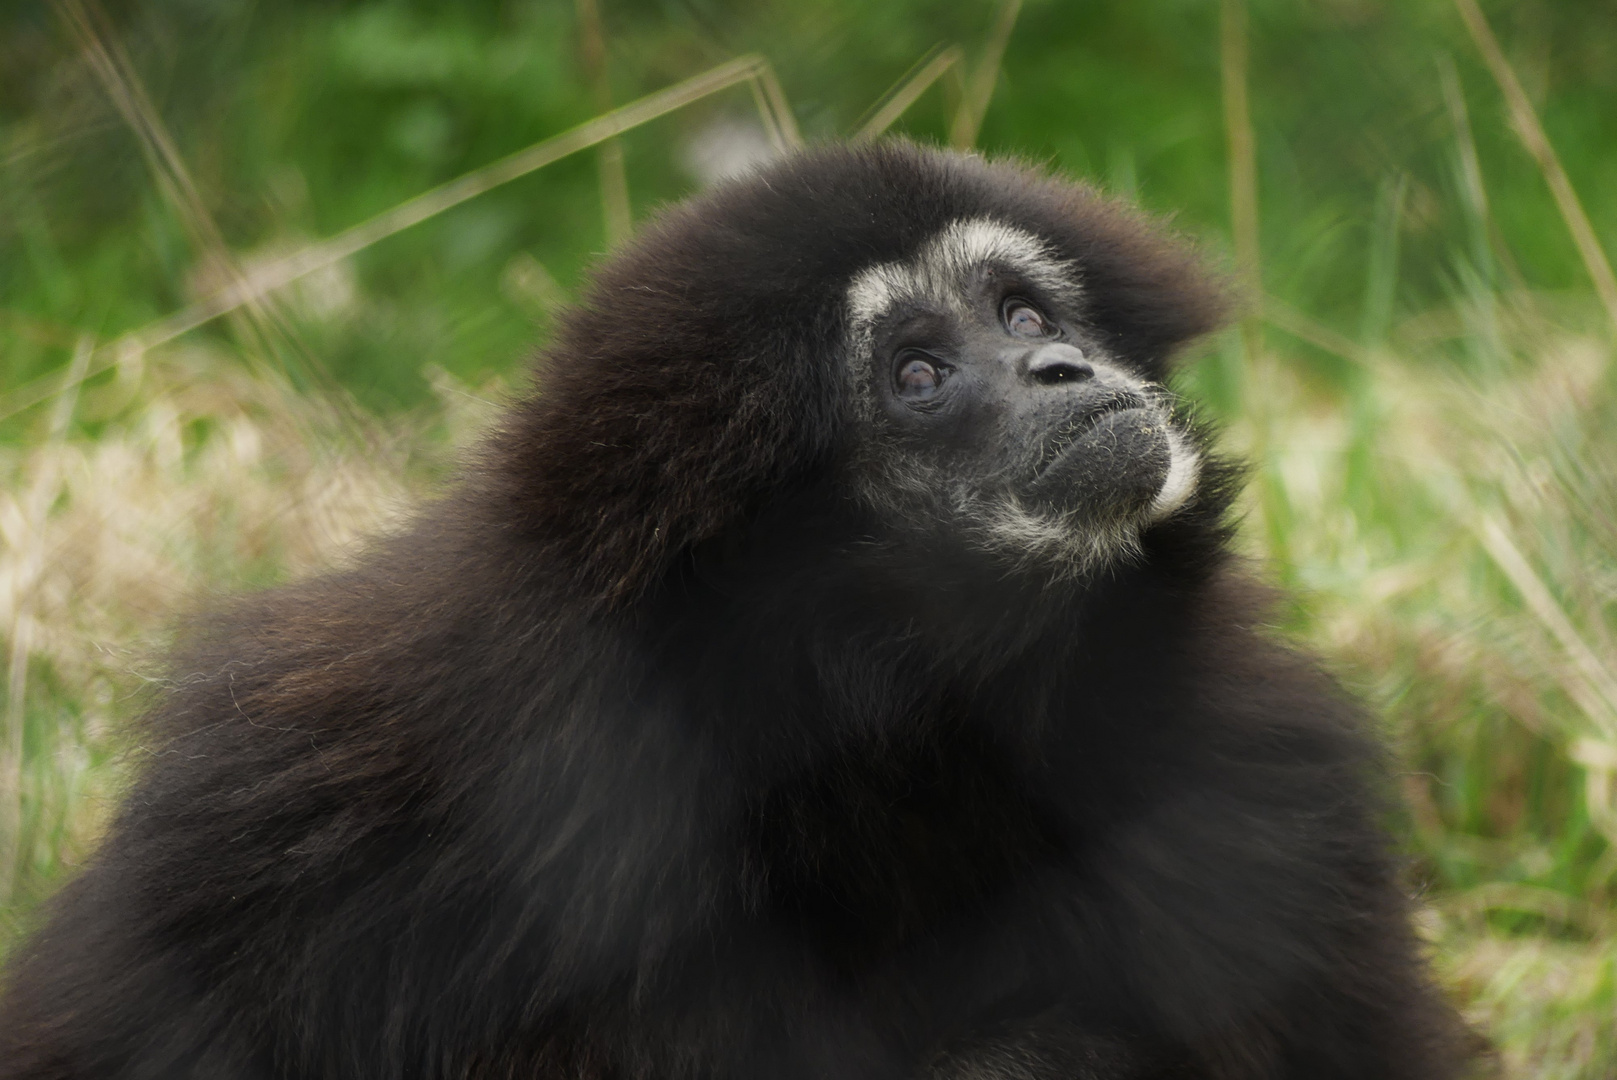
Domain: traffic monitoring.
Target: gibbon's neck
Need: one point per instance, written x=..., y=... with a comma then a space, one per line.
x=812, y=644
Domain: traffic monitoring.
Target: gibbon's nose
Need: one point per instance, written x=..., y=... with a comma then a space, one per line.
x=1058, y=363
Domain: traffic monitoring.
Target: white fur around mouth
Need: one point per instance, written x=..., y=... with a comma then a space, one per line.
x=1074, y=431
x=1184, y=469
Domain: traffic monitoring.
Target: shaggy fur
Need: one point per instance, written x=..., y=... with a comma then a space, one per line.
x=652, y=752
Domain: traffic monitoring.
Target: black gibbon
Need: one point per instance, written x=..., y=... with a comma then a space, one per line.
x=834, y=668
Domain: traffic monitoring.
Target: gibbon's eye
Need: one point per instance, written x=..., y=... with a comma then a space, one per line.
x=1023, y=319
x=917, y=376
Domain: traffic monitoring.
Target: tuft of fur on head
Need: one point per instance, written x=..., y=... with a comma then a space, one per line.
x=702, y=374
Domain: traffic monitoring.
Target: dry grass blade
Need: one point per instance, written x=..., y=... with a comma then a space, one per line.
x=128, y=95
x=283, y=272
x=907, y=91
x=1548, y=904
x=36, y=505
x=1285, y=317
x=771, y=99
x=968, y=119
x=1593, y=687
x=1524, y=119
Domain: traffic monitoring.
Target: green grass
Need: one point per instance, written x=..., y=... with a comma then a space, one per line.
x=1435, y=478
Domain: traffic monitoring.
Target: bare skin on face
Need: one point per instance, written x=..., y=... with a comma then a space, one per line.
x=997, y=403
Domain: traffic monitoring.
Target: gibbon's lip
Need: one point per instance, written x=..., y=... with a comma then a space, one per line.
x=1079, y=428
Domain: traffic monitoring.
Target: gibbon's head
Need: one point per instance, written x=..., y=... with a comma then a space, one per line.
x=972, y=353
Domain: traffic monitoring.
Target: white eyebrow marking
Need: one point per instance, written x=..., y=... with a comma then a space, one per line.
x=941, y=273
x=941, y=270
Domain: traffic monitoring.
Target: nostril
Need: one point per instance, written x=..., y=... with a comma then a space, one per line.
x=1064, y=371
x=1059, y=364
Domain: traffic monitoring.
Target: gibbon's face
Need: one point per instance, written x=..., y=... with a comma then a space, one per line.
x=990, y=402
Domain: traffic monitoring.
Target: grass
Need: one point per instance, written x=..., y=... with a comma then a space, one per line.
x=195, y=482
x=1387, y=511
x=1428, y=400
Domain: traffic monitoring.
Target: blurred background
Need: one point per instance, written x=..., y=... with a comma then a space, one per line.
x=266, y=267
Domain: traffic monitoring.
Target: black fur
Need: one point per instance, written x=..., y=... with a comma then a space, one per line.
x=648, y=752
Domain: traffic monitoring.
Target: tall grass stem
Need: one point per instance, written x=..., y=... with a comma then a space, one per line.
x=968, y=119
x=615, y=211
x=1524, y=120
x=1242, y=149
x=36, y=506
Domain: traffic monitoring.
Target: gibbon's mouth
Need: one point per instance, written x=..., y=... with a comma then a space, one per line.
x=1084, y=429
